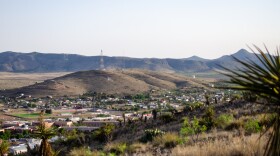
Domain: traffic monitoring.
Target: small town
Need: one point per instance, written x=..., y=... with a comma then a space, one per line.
x=139, y=78
x=91, y=111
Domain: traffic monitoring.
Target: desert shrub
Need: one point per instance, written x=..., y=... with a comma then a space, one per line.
x=133, y=148
x=104, y=133
x=208, y=119
x=267, y=120
x=166, y=118
x=192, y=128
x=150, y=134
x=116, y=148
x=168, y=140
x=224, y=120
x=82, y=151
x=252, y=126
x=192, y=106
x=235, y=125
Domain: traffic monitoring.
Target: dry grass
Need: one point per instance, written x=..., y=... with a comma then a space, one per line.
x=168, y=140
x=243, y=145
x=137, y=148
x=82, y=151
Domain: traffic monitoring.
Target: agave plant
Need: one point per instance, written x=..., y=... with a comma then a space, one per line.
x=262, y=79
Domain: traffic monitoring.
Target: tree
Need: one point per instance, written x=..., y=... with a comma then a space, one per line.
x=207, y=99
x=208, y=119
x=104, y=133
x=44, y=132
x=4, y=147
x=264, y=80
x=123, y=115
x=192, y=128
x=5, y=135
x=154, y=112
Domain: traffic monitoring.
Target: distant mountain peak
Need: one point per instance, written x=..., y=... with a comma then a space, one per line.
x=196, y=58
x=242, y=53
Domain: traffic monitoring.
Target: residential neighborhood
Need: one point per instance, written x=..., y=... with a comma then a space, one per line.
x=91, y=111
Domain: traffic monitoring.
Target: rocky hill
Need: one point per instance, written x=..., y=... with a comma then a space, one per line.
x=120, y=82
x=42, y=62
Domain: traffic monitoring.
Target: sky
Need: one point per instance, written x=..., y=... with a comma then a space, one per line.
x=139, y=28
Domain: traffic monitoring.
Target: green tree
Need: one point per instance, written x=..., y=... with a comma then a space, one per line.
x=6, y=135
x=208, y=119
x=192, y=128
x=264, y=80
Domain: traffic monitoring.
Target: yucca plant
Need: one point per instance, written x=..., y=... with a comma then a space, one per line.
x=44, y=132
x=262, y=79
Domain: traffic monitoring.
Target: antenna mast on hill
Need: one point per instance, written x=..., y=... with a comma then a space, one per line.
x=101, y=65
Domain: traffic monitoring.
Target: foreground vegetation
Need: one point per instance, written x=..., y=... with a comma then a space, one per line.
x=263, y=80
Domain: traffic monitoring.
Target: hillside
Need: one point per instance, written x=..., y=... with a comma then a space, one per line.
x=110, y=81
x=43, y=62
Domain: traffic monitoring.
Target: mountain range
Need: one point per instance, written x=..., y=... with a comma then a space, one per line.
x=46, y=62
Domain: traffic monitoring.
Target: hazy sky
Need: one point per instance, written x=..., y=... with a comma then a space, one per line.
x=138, y=28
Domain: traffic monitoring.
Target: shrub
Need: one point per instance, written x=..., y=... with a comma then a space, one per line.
x=235, y=125
x=150, y=134
x=166, y=118
x=193, y=128
x=133, y=148
x=224, y=120
x=267, y=120
x=104, y=133
x=252, y=126
x=116, y=148
x=168, y=140
x=82, y=151
x=208, y=119
x=192, y=106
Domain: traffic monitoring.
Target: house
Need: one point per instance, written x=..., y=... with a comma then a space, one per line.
x=48, y=124
x=33, y=142
x=19, y=149
x=12, y=123
x=63, y=123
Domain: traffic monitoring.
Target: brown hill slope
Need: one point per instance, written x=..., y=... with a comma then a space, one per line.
x=109, y=81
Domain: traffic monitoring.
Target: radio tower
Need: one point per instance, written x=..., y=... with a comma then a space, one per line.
x=101, y=65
